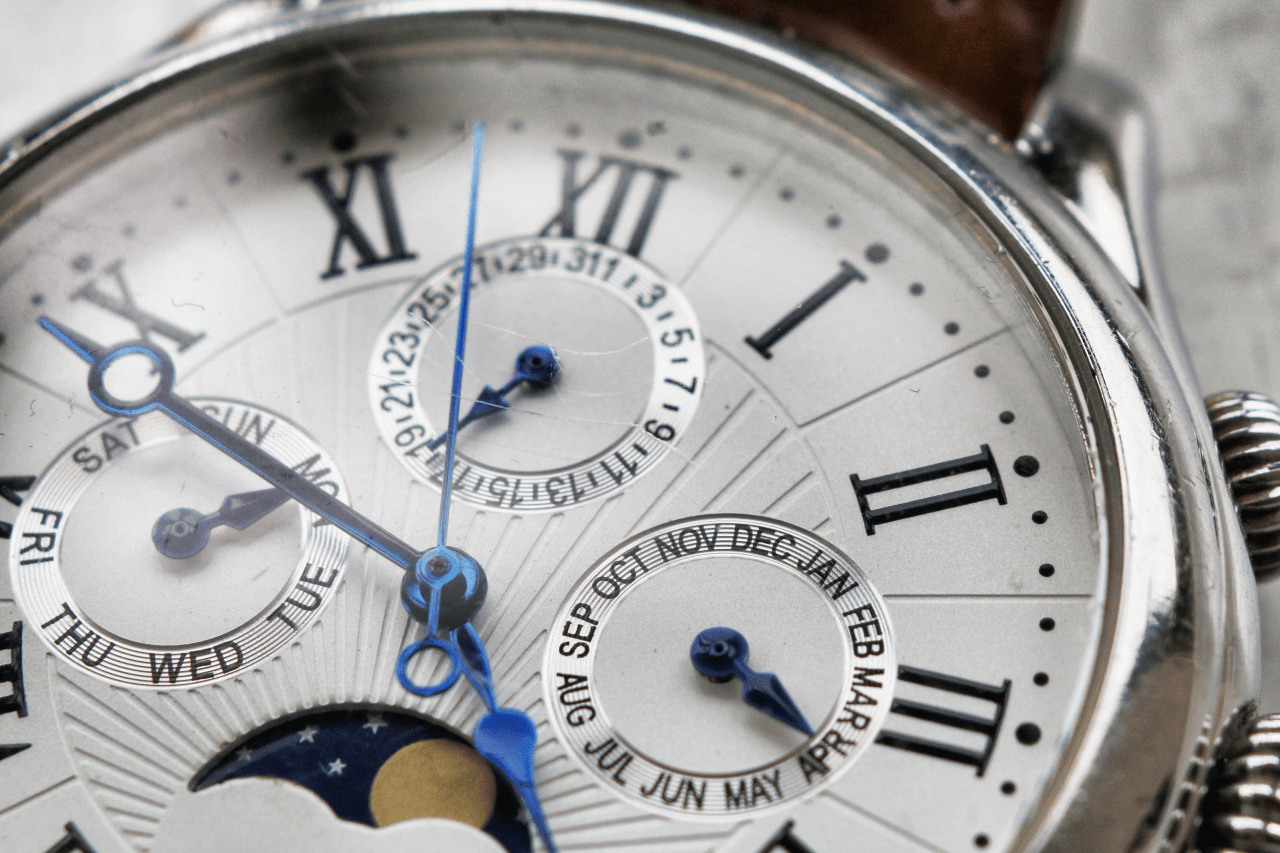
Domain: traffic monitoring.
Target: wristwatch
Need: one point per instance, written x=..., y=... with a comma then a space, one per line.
x=369, y=371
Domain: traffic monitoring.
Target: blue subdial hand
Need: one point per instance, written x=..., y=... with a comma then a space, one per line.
x=536, y=365
x=182, y=533
x=721, y=654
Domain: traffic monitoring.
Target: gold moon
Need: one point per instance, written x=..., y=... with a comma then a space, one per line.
x=434, y=778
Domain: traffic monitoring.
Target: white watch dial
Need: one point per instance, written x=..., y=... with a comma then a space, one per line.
x=761, y=307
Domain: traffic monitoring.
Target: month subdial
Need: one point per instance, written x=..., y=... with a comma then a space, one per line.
x=673, y=719
x=145, y=557
x=585, y=369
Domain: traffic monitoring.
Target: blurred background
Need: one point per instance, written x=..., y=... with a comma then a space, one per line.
x=1209, y=71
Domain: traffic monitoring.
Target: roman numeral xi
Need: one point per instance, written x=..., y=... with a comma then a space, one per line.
x=349, y=231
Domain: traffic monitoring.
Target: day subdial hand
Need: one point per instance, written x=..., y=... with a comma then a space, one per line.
x=182, y=533
x=721, y=654
x=536, y=365
x=142, y=602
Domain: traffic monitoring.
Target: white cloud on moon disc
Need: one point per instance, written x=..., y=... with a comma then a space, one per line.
x=256, y=815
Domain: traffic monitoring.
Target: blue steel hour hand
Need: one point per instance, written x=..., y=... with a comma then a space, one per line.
x=182, y=533
x=536, y=365
x=721, y=654
x=504, y=736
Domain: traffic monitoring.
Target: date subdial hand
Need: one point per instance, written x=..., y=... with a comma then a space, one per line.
x=536, y=365
x=720, y=654
x=183, y=532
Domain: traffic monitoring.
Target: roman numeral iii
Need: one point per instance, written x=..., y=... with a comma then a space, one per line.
x=988, y=727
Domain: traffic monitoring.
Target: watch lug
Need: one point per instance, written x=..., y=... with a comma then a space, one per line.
x=1088, y=136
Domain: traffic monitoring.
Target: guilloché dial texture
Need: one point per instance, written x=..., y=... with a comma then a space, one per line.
x=764, y=315
x=622, y=388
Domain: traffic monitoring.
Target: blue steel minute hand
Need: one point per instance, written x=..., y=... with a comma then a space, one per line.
x=163, y=399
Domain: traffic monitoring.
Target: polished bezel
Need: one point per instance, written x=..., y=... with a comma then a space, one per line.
x=1179, y=649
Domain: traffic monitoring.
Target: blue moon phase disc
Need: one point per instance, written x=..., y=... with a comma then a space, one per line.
x=376, y=766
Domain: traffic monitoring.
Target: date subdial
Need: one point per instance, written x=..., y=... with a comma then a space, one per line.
x=624, y=381
x=675, y=735
x=145, y=557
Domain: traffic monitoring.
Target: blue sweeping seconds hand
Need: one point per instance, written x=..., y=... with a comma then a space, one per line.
x=504, y=736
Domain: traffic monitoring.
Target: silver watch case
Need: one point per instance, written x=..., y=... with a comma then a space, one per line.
x=1179, y=661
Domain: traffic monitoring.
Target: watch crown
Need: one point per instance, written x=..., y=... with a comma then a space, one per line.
x=1246, y=426
x=1244, y=814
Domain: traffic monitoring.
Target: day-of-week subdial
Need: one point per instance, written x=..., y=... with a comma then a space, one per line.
x=770, y=671
x=583, y=368
x=147, y=558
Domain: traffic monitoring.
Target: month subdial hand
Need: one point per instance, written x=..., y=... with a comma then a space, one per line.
x=721, y=654
x=537, y=365
x=182, y=533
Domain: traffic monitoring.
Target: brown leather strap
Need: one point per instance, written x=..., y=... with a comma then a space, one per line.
x=988, y=56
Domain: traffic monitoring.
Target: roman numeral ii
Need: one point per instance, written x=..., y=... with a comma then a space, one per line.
x=982, y=460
